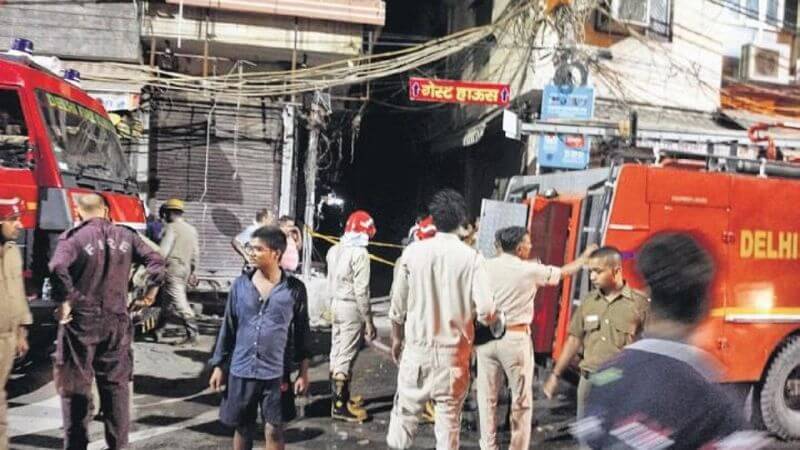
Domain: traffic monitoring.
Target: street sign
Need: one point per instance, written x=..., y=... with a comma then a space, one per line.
x=452, y=91
x=566, y=151
x=567, y=102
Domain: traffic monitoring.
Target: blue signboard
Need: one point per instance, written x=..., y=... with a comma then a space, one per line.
x=566, y=151
x=567, y=102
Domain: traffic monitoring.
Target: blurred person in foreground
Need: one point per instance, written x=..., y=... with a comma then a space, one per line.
x=659, y=392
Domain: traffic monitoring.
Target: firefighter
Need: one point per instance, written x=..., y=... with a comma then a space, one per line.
x=14, y=312
x=91, y=266
x=514, y=282
x=348, y=282
x=181, y=250
x=440, y=285
x=610, y=317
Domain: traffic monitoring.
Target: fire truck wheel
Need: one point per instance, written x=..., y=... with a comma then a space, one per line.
x=780, y=396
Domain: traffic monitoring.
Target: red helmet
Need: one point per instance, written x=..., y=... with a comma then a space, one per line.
x=425, y=229
x=11, y=208
x=360, y=222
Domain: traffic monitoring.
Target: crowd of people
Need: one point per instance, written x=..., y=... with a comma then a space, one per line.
x=640, y=379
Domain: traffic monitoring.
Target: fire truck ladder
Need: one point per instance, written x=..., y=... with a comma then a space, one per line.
x=762, y=167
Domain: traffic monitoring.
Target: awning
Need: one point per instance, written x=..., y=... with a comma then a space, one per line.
x=661, y=119
x=661, y=126
x=487, y=125
x=746, y=119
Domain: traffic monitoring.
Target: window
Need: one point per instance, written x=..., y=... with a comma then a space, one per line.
x=13, y=130
x=750, y=8
x=660, y=27
x=773, y=13
x=661, y=19
x=84, y=142
x=757, y=12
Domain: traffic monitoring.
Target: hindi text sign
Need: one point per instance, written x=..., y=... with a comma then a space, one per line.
x=451, y=91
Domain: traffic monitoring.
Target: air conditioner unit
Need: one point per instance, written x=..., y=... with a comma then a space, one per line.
x=765, y=62
x=634, y=12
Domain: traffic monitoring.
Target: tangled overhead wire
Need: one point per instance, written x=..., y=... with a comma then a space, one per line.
x=344, y=72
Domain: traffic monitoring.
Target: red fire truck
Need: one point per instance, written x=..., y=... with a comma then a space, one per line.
x=745, y=209
x=56, y=143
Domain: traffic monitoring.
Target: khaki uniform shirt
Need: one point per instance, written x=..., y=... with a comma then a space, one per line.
x=180, y=247
x=348, y=276
x=605, y=327
x=514, y=282
x=440, y=286
x=13, y=303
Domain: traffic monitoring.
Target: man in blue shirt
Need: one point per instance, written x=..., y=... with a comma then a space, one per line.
x=266, y=324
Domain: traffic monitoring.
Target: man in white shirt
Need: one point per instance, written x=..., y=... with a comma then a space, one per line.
x=514, y=282
x=440, y=286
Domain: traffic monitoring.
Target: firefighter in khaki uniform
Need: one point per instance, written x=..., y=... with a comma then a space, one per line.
x=14, y=313
x=440, y=286
x=514, y=281
x=609, y=318
x=348, y=281
x=181, y=249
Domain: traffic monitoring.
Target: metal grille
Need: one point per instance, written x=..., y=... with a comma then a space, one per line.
x=243, y=176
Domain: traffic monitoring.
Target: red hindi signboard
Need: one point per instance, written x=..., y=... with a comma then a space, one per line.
x=451, y=91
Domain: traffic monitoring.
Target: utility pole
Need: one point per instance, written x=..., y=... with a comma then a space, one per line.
x=316, y=122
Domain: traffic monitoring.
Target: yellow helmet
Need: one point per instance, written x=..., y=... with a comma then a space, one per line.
x=174, y=204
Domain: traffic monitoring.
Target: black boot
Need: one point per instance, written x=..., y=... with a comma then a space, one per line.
x=192, y=330
x=341, y=406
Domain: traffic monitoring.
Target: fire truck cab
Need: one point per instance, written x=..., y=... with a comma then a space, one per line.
x=56, y=143
x=743, y=208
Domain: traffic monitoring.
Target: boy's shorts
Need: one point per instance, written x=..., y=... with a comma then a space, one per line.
x=242, y=398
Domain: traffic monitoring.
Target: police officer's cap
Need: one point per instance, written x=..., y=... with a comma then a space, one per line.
x=174, y=204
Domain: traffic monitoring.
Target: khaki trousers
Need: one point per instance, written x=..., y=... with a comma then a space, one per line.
x=511, y=355
x=8, y=343
x=584, y=387
x=429, y=373
x=346, y=333
x=176, y=302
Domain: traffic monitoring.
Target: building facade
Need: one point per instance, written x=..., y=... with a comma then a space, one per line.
x=672, y=65
x=227, y=158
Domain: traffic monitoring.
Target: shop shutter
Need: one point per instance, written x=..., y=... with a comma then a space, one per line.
x=240, y=179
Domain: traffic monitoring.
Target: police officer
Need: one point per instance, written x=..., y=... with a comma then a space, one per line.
x=14, y=312
x=348, y=281
x=610, y=317
x=440, y=286
x=660, y=392
x=181, y=250
x=91, y=266
x=514, y=281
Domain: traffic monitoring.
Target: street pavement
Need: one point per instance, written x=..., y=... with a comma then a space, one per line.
x=173, y=408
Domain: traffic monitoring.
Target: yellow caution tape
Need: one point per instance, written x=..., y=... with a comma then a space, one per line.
x=334, y=240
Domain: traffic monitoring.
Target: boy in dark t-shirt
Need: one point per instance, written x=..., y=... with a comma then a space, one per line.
x=659, y=392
